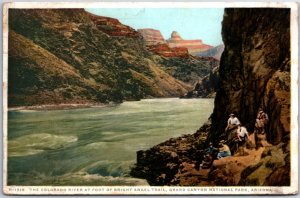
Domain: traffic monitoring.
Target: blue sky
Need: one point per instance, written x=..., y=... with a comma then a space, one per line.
x=190, y=23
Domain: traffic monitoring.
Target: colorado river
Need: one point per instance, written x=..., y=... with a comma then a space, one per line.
x=94, y=146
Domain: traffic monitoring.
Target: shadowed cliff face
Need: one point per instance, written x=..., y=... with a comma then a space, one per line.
x=255, y=70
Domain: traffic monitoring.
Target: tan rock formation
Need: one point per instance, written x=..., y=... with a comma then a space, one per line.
x=193, y=46
x=152, y=36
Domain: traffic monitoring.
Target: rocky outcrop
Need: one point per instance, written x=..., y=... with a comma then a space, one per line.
x=193, y=46
x=113, y=27
x=163, y=164
x=166, y=51
x=156, y=43
x=152, y=36
x=214, y=52
x=254, y=72
x=173, y=47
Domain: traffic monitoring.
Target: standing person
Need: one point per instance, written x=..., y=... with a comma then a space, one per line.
x=232, y=124
x=224, y=150
x=262, y=120
x=242, y=137
x=242, y=133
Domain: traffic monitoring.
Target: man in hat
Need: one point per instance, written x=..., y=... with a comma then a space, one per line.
x=232, y=123
x=224, y=150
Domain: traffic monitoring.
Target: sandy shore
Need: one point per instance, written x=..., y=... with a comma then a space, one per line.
x=61, y=106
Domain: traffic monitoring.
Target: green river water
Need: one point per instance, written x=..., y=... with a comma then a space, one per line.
x=94, y=146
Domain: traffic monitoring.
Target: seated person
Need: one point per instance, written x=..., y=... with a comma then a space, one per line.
x=210, y=149
x=224, y=150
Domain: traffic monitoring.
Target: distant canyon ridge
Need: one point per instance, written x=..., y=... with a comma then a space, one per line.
x=72, y=56
x=176, y=45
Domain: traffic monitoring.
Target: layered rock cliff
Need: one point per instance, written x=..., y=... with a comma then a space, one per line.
x=113, y=26
x=193, y=46
x=152, y=36
x=156, y=43
x=254, y=73
x=174, y=46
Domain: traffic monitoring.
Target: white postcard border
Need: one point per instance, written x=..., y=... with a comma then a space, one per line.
x=154, y=190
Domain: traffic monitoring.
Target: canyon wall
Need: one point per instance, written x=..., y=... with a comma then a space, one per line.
x=255, y=70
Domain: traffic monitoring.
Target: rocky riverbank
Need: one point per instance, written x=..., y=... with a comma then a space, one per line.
x=61, y=106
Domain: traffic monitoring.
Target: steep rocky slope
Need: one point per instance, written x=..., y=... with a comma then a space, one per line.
x=70, y=56
x=254, y=72
x=206, y=87
x=189, y=70
x=109, y=61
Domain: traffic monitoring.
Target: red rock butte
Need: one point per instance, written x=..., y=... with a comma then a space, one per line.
x=193, y=46
x=173, y=47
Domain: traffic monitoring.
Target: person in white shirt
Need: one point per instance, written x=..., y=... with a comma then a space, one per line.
x=242, y=133
x=232, y=122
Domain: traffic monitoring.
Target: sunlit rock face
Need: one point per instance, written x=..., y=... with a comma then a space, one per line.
x=176, y=46
x=152, y=36
x=156, y=43
x=193, y=46
x=113, y=26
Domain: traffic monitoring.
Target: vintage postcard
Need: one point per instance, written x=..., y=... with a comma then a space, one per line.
x=135, y=98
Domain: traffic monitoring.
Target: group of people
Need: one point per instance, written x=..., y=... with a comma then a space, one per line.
x=236, y=134
x=211, y=153
x=234, y=129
